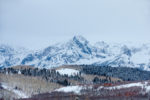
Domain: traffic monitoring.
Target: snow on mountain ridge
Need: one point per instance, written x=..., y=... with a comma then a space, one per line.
x=78, y=50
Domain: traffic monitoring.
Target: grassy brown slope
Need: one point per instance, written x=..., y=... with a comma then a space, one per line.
x=29, y=85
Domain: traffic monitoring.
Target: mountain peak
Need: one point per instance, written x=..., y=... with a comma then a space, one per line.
x=80, y=39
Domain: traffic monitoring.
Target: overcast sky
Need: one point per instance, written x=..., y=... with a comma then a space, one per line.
x=39, y=23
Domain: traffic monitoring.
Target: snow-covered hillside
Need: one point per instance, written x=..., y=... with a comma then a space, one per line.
x=19, y=93
x=68, y=71
x=144, y=87
x=78, y=50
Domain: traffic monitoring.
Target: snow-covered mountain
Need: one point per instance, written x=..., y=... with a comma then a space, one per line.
x=79, y=51
x=10, y=56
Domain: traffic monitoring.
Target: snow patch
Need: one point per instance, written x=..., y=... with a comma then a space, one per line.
x=127, y=86
x=19, y=72
x=144, y=86
x=17, y=92
x=75, y=89
x=67, y=71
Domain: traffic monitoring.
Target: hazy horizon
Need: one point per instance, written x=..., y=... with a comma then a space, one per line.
x=39, y=23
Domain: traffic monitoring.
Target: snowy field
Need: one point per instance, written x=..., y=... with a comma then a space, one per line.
x=68, y=71
x=19, y=93
x=77, y=89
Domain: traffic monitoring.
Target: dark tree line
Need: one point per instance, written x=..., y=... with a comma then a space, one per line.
x=97, y=80
x=124, y=73
x=51, y=75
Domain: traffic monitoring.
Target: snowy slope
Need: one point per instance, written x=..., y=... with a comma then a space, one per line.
x=10, y=56
x=145, y=88
x=75, y=89
x=78, y=50
x=67, y=71
x=19, y=93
